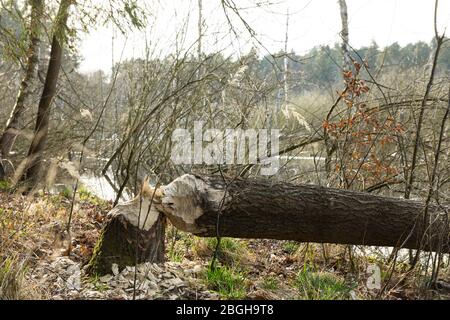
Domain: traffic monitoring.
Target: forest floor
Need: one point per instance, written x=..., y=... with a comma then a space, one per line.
x=35, y=262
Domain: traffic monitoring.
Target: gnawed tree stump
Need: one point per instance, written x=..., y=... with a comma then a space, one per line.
x=211, y=206
x=134, y=232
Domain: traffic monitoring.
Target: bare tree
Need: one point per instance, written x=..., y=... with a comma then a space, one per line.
x=344, y=34
x=285, y=62
x=34, y=157
x=200, y=29
x=439, y=40
x=418, y=135
x=12, y=125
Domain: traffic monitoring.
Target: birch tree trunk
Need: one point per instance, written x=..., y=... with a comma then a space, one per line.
x=347, y=62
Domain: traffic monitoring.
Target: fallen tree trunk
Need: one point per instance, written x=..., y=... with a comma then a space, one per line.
x=211, y=206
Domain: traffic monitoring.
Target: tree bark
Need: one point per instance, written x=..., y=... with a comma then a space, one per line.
x=39, y=141
x=347, y=62
x=134, y=233
x=12, y=125
x=210, y=206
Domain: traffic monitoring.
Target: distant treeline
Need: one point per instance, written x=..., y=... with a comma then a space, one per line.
x=321, y=66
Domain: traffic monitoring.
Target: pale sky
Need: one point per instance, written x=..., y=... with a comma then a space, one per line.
x=311, y=23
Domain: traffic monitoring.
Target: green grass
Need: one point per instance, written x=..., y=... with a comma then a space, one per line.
x=321, y=286
x=5, y=185
x=270, y=283
x=179, y=244
x=226, y=244
x=231, y=252
x=66, y=192
x=228, y=282
x=290, y=247
x=175, y=255
x=85, y=195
